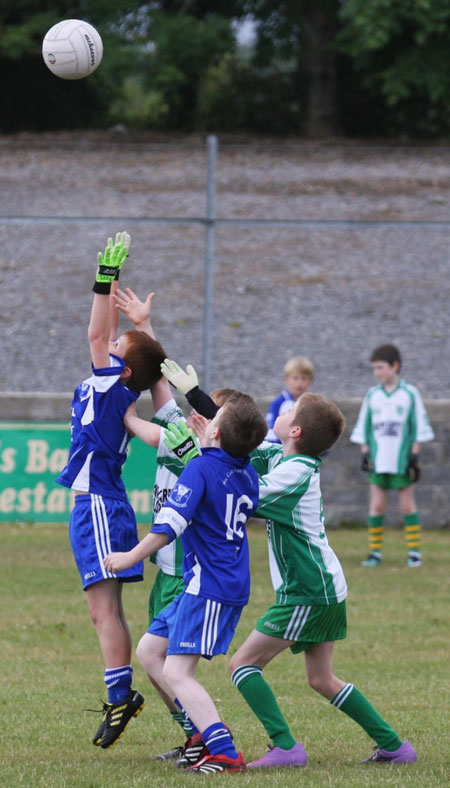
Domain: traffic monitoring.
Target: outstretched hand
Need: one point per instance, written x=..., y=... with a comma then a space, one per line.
x=183, y=381
x=136, y=310
x=197, y=423
x=111, y=260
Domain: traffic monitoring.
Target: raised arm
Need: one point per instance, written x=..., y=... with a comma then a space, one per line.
x=109, y=264
x=139, y=313
x=187, y=383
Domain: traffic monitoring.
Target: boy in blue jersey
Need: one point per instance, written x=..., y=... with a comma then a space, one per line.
x=298, y=375
x=209, y=507
x=102, y=518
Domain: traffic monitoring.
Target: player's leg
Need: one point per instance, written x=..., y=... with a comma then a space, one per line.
x=219, y=752
x=377, y=511
x=151, y=653
x=346, y=698
x=411, y=519
x=108, y=617
x=165, y=590
x=246, y=667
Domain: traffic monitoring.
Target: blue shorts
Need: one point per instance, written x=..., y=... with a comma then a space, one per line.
x=99, y=526
x=195, y=625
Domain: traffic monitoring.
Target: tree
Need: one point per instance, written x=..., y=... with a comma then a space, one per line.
x=401, y=55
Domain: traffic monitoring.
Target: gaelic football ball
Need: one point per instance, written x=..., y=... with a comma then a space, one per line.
x=72, y=49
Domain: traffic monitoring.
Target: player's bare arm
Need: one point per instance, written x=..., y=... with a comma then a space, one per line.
x=117, y=562
x=145, y=430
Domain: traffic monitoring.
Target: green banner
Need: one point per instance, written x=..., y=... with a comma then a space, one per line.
x=31, y=457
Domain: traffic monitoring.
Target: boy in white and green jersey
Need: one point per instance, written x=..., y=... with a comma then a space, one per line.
x=309, y=612
x=169, y=559
x=391, y=425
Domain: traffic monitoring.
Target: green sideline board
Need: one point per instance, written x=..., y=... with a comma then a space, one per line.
x=31, y=456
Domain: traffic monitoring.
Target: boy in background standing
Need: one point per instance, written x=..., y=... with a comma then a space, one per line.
x=298, y=375
x=391, y=425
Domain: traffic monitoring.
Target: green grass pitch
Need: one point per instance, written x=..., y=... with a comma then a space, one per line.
x=396, y=652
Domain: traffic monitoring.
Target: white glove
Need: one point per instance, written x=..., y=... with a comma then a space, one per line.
x=183, y=381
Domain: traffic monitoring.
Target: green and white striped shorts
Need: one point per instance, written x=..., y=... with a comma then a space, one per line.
x=306, y=624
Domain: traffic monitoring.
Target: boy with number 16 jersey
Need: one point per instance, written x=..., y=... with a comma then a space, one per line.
x=209, y=507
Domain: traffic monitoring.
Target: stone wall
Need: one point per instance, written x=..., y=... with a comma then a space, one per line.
x=344, y=486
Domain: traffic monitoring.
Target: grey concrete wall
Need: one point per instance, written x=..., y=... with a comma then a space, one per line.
x=344, y=486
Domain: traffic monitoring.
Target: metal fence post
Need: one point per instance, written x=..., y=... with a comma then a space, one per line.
x=210, y=229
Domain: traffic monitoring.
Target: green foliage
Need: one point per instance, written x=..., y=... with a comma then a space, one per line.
x=237, y=96
x=137, y=107
x=183, y=48
x=175, y=64
x=401, y=53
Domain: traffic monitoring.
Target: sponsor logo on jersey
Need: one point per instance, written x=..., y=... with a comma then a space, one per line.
x=390, y=429
x=160, y=496
x=180, y=495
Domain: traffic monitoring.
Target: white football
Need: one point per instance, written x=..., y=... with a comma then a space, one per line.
x=72, y=49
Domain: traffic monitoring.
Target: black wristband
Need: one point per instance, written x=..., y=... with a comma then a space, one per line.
x=202, y=402
x=104, y=288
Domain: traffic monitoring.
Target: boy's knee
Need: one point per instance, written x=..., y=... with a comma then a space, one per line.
x=143, y=652
x=319, y=684
x=169, y=675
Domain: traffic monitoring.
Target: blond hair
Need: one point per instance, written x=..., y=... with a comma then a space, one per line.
x=300, y=365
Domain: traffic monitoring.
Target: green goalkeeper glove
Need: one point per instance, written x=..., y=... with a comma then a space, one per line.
x=181, y=440
x=110, y=262
x=183, y=381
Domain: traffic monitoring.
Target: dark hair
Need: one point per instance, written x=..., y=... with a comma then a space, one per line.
x=242, y=425
x=144, y=356
x=388, y=353
x=322, y=423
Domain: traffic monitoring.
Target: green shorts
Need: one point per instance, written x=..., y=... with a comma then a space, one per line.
x=390, y=481
x=307, y=624
x=165, y=589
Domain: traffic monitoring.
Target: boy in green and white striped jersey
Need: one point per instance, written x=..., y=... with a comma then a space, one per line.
x=309, y=612
x=392, y=423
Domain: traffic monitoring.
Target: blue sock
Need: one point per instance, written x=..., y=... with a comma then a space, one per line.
x=218, y=739
x=118, y=683
x=187, y=724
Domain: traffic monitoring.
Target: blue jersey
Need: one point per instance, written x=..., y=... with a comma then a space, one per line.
x=209, y=506
x=99, y=440
x=277, y=407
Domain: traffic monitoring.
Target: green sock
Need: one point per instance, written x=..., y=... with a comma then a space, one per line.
x=259, y=696
x=353, y=703
x=183, y=721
